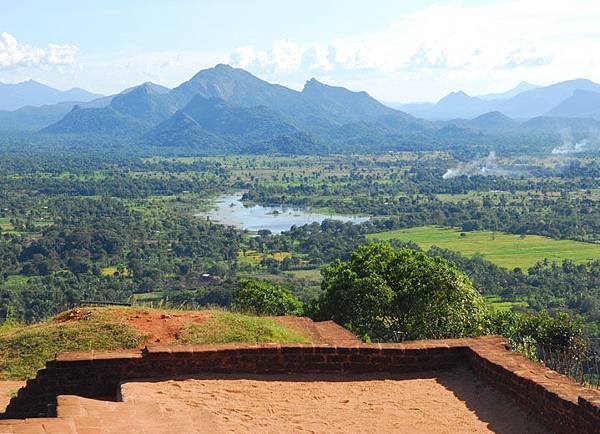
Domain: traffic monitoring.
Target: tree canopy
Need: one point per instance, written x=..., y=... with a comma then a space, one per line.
x=266, y=298
x=401, y=294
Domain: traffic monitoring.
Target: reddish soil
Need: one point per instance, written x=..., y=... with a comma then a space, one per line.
x=160, y=326
x=428, y=402
x=163, y=327
x=324, y=332
x=7, y=388
x=73, y=315
x=335, y=334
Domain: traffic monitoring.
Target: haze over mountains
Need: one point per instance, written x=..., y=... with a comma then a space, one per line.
x=225, y=109
x=526, y=101
x=32, y=93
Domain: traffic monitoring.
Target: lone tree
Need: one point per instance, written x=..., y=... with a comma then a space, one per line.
x=390, y=294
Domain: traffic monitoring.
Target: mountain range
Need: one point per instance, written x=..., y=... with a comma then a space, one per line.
x=526, y=101
x=230, y=109
x=519, y=88
x=226, y=109
x=32, y=93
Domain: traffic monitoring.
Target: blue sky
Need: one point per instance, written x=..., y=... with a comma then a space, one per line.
x=396, y=50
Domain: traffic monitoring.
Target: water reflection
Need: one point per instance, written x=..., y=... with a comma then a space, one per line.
x=230, y=210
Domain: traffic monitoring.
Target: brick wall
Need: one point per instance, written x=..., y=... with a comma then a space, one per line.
x=564, y=405
x=559, y=402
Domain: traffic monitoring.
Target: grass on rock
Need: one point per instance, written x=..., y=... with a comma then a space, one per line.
x=25, y=349
x=235, y=327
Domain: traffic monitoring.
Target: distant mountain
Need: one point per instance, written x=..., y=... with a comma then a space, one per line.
x=416, y=109
x=493, y=121
x=519, y=88
x=238, y=87
x=288, y=144
x=156, y=88
x=402, y=122
x=459, y=104
x=182, y=131
x=151, y=106
x=452, y=106
x=203, y=119
x=104, y=120
x=558, y=125
x=317, y=106
x=228, y=110
x=33, y=118
x=539, y=101
x=144, y=103
x=524, y=104
x=32, y=93
x=344, y=104
x=582, y=104
x=129, y=112
x=317, y=109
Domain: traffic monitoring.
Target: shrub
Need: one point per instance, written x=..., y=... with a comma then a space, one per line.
x=545, y=333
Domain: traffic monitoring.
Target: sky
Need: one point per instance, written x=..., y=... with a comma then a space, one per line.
x=398, y=51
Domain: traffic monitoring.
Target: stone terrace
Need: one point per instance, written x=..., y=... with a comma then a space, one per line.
x=44, y=405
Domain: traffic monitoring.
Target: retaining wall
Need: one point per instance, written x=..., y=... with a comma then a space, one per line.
x=558, y=401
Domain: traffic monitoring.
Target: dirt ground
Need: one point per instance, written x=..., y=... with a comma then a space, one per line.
x=7, y=388
x=163, y=326
x=160, y=326
x=428, y=402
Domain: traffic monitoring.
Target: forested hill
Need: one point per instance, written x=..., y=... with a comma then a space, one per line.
x=316, y=120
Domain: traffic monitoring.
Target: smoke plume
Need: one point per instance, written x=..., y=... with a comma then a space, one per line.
x=570, y=146
x=487, y=166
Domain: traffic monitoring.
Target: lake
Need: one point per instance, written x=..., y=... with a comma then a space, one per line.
x=229, y=210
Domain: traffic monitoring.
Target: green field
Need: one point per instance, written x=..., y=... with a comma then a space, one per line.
x=5, y=224
x=496, y=303
x=505, y=250
x=312, y=274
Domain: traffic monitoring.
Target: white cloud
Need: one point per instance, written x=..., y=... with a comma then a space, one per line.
x=114, y=72
x=421, y=55
x=482, y=46
x=16, y=55
x=284, y=56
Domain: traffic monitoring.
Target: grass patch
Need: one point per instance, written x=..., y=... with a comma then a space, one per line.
x=114, y=271
x=5, y=224
x=496, y=303
x=25, y=349
x=148, y=298
x=253, y=257
x=312, y=274
x=229, y=327
x=506, y=250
